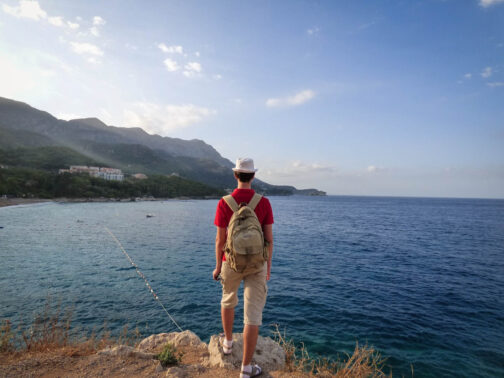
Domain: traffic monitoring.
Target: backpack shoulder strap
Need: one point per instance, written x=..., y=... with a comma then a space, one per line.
x=254, y=201
x=231, y=202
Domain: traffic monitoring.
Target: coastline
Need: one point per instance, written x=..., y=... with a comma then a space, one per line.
x=5, y=202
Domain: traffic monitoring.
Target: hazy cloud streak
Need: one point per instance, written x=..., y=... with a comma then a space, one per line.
x=297, y=99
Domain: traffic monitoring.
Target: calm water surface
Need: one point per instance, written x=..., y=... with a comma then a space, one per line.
x=422, y=280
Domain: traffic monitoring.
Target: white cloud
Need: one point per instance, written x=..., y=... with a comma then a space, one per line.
x=297, y=99
x=73, y=25
x=171, y=65
x=197, y=53
x=189, y=74
x=22, y=80
x=488, y=3
x=374, y=169
x=313, y=31
x=26, y=9
x=93, y=60
x=95, y=31
x=97, y=21
x=56, y=21
x=193, y=66
x=86, y=49
x=171, y=49
x=192, y=69
x=161, y=119
x=487, y=72
x=496, y=84
x=468, y=75
x=217, y=76
x=297, y=168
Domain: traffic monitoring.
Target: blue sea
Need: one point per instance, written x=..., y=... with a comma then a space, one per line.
x=421, y=280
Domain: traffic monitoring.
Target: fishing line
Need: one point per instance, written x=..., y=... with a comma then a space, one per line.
x=143, y=277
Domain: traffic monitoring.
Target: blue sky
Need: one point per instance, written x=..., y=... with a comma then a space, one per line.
x=351, y=97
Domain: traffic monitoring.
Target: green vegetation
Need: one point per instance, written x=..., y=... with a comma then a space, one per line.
x=169, y=355
x=10, y=139
x=132, y=158
x=48, y=158
x=31, y=183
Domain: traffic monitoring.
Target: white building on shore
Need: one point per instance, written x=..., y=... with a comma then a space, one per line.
x=101, y=172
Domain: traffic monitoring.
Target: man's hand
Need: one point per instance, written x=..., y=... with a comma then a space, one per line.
x=220, y=240
x=216, y=273
x=268, y=237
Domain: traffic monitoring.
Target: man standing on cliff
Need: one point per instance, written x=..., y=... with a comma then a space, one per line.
x=254, y=277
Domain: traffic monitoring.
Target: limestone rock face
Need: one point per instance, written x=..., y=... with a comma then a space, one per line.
x=125, y=351
x=268, y=354
x=154, y=342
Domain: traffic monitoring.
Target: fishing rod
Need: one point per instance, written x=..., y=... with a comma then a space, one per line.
x=143, y=277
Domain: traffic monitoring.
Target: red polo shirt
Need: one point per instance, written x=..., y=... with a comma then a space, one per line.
x=224, y=213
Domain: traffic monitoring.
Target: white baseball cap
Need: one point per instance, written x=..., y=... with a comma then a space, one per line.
x=245, y=165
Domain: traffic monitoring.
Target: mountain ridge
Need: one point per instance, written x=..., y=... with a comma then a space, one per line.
x=22, y=125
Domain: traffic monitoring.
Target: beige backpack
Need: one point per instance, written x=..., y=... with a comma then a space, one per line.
x=245, y=244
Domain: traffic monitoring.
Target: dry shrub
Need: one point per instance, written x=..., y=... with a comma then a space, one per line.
x=363, y=363
x=127, y=337
x=51, y=330
x=6, y=337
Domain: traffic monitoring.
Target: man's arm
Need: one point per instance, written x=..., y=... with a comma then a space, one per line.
x=268, y=236
x=220, y=240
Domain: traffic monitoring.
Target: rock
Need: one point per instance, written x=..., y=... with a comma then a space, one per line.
x=185, y=338
x=175, y=372
x=268, y=354
x=159, y=368
x=125, y=351
x=198, y=368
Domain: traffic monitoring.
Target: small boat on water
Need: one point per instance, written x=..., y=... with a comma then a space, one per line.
x=150, y=215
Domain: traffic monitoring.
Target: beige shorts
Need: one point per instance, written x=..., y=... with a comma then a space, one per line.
x=255, y=291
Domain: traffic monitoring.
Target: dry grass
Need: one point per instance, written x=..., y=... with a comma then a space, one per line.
x=51, y=330
x=6, y=337
x=364, y=362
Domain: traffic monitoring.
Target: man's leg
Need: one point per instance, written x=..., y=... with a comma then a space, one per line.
x=250, y=334
x=230, y=283
x=227, y=322
x=254, y=293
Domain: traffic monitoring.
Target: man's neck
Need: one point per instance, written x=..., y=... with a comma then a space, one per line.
x=244, y=185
